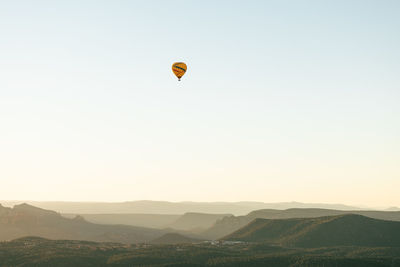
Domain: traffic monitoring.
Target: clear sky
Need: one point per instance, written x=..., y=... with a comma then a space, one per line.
x=283, y=100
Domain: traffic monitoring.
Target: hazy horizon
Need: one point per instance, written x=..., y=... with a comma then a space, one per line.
x=282, y=101
x=53, y=204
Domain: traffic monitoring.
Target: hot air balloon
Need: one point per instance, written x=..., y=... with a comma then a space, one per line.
x=179, y=69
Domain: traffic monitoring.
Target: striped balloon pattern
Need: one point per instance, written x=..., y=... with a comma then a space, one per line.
x=179, y=69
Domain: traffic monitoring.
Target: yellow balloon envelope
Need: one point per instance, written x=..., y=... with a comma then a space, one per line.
x=179, y=69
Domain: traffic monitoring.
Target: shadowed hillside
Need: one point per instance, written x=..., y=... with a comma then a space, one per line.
x=174, y=238
x=26, y=220
x=343, y=230
x=230, y=224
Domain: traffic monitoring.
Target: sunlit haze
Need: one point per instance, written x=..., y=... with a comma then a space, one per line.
x=282, y=101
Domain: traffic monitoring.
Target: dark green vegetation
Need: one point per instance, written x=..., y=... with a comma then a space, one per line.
x=25, y=220
x=45, y=253
x=230, y=224
x=342, y=230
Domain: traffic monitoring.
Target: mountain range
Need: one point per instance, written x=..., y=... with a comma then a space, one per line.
x=26, y=220
x=165, y=207
x=190, y=221
x=159, y=221
x=331, y=231
x=292, y=227
x=230, y=224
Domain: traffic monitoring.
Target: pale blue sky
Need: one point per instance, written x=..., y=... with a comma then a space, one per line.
x=283, y=100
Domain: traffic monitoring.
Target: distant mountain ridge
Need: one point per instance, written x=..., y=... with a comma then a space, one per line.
x=190, y=221
x=165, y=207
x=26, y=220
x=158, y=221
x=193, y=221
x=342, y=230
x=393, y=209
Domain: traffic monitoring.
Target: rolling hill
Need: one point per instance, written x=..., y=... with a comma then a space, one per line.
x=230, y=224
x=26, y=220
x=342, y=230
